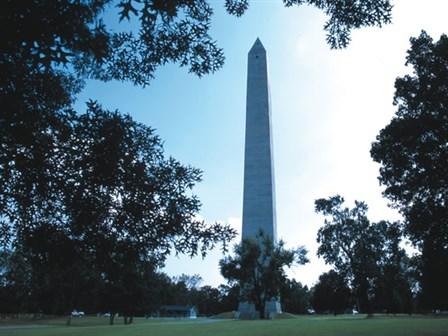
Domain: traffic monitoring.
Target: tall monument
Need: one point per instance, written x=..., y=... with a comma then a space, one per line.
x=259, y=188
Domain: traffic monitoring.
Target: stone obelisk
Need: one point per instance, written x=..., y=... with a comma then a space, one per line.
x=259, y=188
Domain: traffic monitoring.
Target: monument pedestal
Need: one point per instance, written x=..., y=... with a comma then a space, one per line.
x=247, y=311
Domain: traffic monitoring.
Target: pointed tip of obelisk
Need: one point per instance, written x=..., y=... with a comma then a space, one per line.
x=257, y=46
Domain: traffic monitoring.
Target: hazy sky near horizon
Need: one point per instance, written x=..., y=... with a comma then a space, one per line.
x=327, y=108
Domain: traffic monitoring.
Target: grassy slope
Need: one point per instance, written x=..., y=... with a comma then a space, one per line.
x=303, y=326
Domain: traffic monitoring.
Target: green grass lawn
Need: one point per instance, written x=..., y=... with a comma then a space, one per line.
x=303, y=326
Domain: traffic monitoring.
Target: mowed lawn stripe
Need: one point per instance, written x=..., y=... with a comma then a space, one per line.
x=301, y=326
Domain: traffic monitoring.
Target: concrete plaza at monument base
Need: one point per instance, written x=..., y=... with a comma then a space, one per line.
x=289, y=325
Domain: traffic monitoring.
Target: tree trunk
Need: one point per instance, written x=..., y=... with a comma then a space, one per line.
x=262, y=307
x=125, y=319
x=363, y=296
x=131, y=319
x=111, y=318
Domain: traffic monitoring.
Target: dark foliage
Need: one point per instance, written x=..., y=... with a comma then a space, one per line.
x=368, y=255
x=110, y=207
x=229, y=297
x=259, y=267
x=86, y=198
x=331, y=294
x=352, y=244
x=45, y=34
x=344, y=15
x=236, y=7
x=413, y=154
x=295, y=297
x=393, y=284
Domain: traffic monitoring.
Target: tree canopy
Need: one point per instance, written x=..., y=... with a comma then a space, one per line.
x=331, y=294
x=258, y=265
x=413, y=154
x=350, y=243
x=368, y=255
x=105, y=205
x=294, y=297
x=343, y=16
x=45, y=35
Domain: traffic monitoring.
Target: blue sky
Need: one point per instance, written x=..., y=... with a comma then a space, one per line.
x=327, y=108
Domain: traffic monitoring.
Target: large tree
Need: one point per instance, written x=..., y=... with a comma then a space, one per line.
x=113, y=203
x=368, y=255
x=352, y=244
x=258, y=265
x=413, y=154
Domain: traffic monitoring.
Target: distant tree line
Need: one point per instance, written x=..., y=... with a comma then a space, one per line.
x=152, y=291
